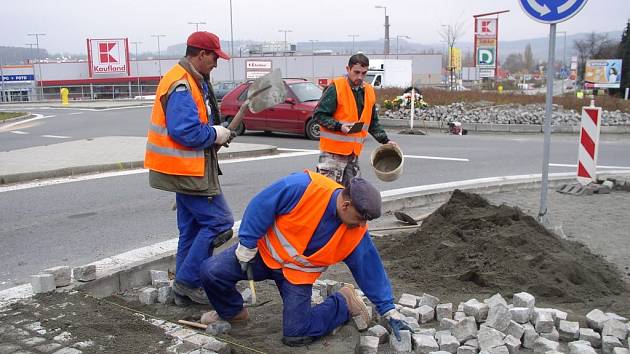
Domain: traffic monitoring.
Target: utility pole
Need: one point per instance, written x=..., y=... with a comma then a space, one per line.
x=39, y=64
x=196, y=25
x=313, y=58
x=232, y=41
x=137, y=68
x=286, y=70
x=353, y=37
x=159, y=53
x=1, y=81
x=386, y=47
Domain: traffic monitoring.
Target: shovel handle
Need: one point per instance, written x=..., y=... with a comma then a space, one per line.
x=193, y=324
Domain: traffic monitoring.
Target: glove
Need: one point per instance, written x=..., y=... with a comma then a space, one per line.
x=396, y=322
x=245, y=256
x=223, y=134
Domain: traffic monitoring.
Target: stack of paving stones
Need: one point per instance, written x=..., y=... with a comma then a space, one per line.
x=599, y=187
x=50, y=279
x=160, y=291
x=493, y=326
x=486, y=113
x=189, y=341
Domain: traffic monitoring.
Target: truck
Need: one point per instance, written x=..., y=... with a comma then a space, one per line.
x=384, y=73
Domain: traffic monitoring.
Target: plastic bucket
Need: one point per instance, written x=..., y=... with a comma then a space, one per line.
x=387, y=161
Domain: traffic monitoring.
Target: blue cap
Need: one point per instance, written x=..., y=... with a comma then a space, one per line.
x=365, y=198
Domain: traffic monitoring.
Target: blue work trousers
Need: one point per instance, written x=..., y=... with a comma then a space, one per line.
x=199, y=220
x=220, y=273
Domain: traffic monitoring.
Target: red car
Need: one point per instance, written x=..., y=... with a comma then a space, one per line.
x=295, y=115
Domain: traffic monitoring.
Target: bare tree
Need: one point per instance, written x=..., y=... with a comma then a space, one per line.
x=594, y=46
x=450, y=34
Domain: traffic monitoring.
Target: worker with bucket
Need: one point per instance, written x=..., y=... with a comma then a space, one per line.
x=346, y=114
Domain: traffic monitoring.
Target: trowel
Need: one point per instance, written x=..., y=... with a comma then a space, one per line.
x=406, y=218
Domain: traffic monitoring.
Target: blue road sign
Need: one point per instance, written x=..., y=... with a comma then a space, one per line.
x=551, y=11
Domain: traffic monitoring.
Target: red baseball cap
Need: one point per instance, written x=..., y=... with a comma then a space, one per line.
x=207, y=41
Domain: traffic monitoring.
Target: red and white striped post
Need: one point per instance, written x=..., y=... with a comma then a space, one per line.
x=589, y=142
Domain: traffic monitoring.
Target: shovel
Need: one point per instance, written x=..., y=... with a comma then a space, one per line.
x=406, y=218
x=267, y=91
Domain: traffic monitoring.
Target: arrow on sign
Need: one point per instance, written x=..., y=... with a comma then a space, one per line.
x=542, y=10
x=567, y=5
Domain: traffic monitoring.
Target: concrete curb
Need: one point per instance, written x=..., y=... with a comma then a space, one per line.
x=98, y=168
x=25, y=116
x=500, y=128
x=131, y=269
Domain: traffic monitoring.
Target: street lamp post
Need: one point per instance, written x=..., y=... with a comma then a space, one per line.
x=386, y=48
x=284, y=50
x=196, y=25
x=400, y=36
x=231, y=42
x=353, y=37
x=313, y=58
x=137, y=68
x=39, y=64
x=159, y=52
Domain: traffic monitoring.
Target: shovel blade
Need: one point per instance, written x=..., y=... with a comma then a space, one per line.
x=405, y=218
x=271, y=92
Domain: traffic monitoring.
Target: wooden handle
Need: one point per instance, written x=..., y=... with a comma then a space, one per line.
x=193, y=324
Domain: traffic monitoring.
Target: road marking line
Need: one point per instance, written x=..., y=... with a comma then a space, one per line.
x=436, y=158
x=56, y=136
x=37, y=117
x=73, y=113
x=19, y=132
x=598, y=166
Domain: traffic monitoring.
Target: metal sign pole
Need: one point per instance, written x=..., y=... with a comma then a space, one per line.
x=543, y=217
x=1, y=81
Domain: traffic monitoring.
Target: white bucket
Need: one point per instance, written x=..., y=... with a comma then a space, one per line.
x=387, y=161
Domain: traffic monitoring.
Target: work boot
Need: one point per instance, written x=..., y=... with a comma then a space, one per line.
x=356, y=306
x=211, y=317
x=297, y=341
x=197, y=295
x=222, y=238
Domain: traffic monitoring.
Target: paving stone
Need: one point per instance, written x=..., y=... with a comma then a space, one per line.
x=68, y=351
x=219, y=327
x=409, y=312
x=63, y=337
x=360, y=322
x=459, y=315
x=424, y=344
x=367, y=345
x=42, y=283
x=523, y=299
x=521, y=314
x=412, y=323
x=380, y=332
x=489, y=338
x=529, y=336
x=500, y=349
x=446, y=323
x=494, y=300
x=596, y=319
x=218, y=347
x=439, y=334
x=620, y=350
x=439, y=352
x=17, y=333
x=84, y=273
x=476, y=309
x=614, y=316
x=148, y=296
x=427, y=331
x=448, y=344
x=542, y=345
x=198, y=340
x=32, y=341
x=610, y=342
x=512, y=344
x=158, y=276
x=62, y=274
x=465, y=329
x=428, y=300
x=34, y=326
x=426, y=313
x=615, y=328
x=544, y=322
x=515, y=330
x=47, y=348
x=580, y=347
x=464, y=349
x=589, y=335
x=559, y=316
x=444, y=311
x=402, y=346
x=460, y=307
x=408, y=300
x=8, y=348
x=554, y=335
x=499, y=317
x=569, y=330
x=182, y=333
x=165, y=295
x=472, y=343
x=83, y=345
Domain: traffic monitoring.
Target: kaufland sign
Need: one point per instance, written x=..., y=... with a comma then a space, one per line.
x=108, y=56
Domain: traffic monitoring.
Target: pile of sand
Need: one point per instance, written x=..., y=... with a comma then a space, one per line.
x=470, y=246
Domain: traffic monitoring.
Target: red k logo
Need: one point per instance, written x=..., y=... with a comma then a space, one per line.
x=485, y=26
x=104, y=48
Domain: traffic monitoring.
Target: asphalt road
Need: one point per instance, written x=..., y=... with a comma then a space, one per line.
x=80, y=222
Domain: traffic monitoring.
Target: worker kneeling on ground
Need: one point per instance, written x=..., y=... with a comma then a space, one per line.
x=290, y=233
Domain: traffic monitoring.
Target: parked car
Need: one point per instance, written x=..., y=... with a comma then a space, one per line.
x=294, y=115
x=222, y=88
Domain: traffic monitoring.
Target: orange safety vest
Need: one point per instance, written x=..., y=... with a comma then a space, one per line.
x=163, y=154
x=283, y=245
x=345, y=144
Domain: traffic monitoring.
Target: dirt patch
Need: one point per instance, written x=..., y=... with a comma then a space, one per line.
x=472, y=247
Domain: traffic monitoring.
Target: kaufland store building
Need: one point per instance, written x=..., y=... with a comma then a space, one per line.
x=110, y=72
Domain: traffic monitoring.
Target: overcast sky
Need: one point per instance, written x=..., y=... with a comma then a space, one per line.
x=67, y=23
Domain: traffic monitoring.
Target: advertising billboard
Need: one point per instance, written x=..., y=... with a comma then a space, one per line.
x=257, y=68
x=604, y=73
x=108, y=57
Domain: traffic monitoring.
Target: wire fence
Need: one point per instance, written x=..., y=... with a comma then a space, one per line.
x=79, y=93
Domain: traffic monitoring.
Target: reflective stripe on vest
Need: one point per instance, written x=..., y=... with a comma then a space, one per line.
x=283, y=245
x=163, y=154
x=346, y=112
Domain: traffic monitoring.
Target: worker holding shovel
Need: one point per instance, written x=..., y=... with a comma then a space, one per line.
x=346, y=114
x=290, y=233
